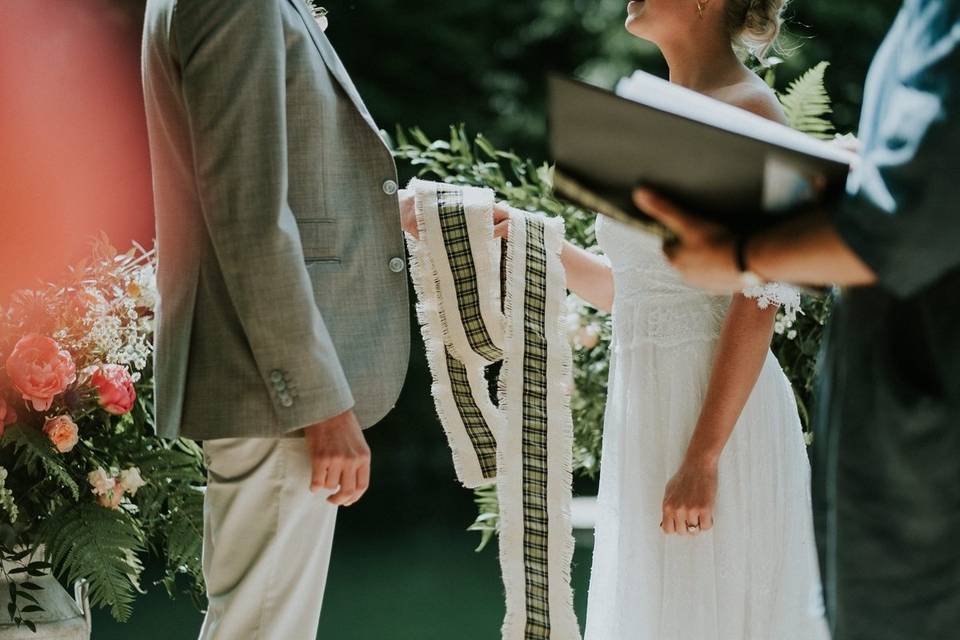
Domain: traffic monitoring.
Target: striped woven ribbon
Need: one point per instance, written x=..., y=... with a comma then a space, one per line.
x=483, y=302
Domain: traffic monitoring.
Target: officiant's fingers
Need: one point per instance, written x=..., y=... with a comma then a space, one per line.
x=663, y=210
x=502, y=230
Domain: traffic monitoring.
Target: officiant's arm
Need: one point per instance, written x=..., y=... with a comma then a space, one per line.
x=233, y=69
x=898, y=228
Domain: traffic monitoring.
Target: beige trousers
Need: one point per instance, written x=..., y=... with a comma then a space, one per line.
x=267, y=541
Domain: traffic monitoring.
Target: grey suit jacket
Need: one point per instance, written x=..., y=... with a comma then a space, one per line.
x=283, y=293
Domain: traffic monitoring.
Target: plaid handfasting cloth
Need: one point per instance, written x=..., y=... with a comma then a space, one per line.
x=482, y=302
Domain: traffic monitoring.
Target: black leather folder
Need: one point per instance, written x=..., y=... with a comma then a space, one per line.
x=718, y=161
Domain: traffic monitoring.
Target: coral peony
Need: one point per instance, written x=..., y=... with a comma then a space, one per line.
x=7, y=415
x=63, y=433
x=115, y=388
x=40, y=370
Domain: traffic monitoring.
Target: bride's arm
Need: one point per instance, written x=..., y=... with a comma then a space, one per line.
x=740, y=353
x=588, y=275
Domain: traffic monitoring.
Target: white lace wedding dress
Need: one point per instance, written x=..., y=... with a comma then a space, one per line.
x=754, y=576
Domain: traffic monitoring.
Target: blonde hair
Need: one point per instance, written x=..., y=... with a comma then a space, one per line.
x=755, y=24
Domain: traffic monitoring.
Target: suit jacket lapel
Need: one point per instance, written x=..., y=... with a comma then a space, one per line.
x=332, y=60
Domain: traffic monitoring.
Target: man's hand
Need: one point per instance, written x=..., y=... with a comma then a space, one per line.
x=408, y=212
x=704, y=253
x=340, y=458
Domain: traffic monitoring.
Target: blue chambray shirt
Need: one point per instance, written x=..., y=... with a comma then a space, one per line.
x=887, y=459
x=902, y=214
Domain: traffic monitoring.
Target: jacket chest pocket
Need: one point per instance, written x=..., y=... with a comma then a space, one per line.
x=319, y=239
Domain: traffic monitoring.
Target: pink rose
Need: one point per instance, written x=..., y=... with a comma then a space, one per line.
x=113, y=497
x=40, y=370
x=7, y=415
x=115, y=387
x=63, y=433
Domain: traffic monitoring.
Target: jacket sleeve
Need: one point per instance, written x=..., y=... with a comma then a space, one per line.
x=902, y=218
x=233, y=78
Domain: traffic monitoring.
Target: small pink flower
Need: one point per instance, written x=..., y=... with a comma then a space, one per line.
x=115, y=387
x=113, y=497
x=7, y=415
x=40, y=370
x=63, y=433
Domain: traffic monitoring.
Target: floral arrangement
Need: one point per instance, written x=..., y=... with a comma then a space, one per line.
x=525, y=184
x=83, y=482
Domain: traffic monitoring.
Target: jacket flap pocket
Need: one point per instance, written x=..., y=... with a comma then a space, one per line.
x=319, y=238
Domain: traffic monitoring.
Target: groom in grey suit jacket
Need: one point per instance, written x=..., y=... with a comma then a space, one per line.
x=282, y=327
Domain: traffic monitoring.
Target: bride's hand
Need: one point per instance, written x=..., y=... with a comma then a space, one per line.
x=689, y=499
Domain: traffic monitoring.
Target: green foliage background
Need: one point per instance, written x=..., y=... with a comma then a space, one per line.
x=484, y=62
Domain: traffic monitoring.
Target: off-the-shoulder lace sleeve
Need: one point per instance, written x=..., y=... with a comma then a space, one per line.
x=779, y=294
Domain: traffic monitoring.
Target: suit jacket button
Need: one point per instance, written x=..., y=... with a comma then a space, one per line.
x=397, y=265
x=390, y=187
x=286, y=400
x=276, y=376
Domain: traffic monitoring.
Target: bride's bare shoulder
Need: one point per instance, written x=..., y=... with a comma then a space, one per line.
x=755, y=97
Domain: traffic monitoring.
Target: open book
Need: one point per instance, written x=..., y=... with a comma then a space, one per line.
x=718, y=161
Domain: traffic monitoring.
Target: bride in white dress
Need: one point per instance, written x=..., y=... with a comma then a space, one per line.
x=705, y=528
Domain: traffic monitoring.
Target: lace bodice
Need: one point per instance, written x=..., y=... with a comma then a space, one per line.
x=654, y=304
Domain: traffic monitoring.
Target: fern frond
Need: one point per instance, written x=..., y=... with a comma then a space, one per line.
x=34, y=450
x=87, y=541
x=807, y=103
x=488, y=514
x=168, y=465
x=185, y=534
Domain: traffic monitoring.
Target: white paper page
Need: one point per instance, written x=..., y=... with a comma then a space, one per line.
x=662, y=95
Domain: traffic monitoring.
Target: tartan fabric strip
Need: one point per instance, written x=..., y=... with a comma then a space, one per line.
x=535, y=508
x=456, y=240
x=466, y=327
x=481, y=437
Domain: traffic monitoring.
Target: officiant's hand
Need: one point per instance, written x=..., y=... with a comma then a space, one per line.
x=704, y=252
x=689, y=499
x=340, y=458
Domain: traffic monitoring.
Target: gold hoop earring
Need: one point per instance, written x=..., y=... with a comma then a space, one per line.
x=700, y=7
